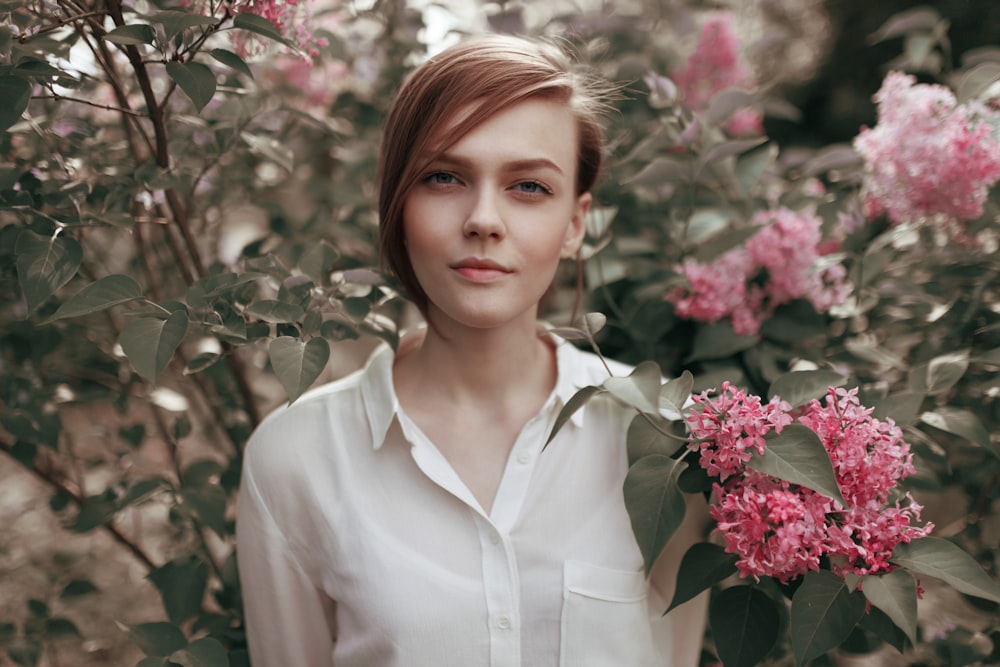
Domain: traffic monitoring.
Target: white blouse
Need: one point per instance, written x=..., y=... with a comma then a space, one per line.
x=359, y=545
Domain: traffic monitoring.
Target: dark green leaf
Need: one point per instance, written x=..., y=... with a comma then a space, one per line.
x=45, y=264
x=876, y=622
x=39, y=69
x=78, y=587
x=25, y=655
x=174, y=21
x=824, y=612
x=60, y=627
x=157, y=639
x=141, y=489
x=895, y=593
x=230, y=59
x=318, y=261
x=196, y=80
x=646, y=436
x=137, y=33
x=797, y=455
x=208, y=501
x=149, y=343
x=704, y=565
x=7, y=632
x=716, y=341
x=718, y=244
x=181, y=583
x=676, y=393
x=95, y=512
x=201, y=362
x=939, y=558
x=654, y=502
x=99, y=295
x=745, y=624
x=963, y=423
x=204, y=652
x=577, y=401
x=800, y=387
x=16, y=93
x=298, y=364
x=271, y=310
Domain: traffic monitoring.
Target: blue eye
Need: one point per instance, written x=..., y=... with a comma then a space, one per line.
x=533, y=188
x=440, y=178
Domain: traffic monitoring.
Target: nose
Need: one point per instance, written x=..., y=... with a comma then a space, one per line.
x=484, y=219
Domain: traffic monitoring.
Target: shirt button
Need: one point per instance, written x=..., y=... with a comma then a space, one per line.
x=523, y=456
x=494, y=537
x=503, y=623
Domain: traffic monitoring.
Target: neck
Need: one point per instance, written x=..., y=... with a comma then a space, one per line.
x=480, y=366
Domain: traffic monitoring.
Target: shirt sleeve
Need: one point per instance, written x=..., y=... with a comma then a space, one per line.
x=289, y=621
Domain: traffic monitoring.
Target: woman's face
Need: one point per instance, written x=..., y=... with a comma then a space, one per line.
x=489, y=219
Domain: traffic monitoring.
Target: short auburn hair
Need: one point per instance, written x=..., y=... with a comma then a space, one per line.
x=483, y=75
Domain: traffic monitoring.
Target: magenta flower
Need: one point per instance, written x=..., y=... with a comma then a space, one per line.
x=782, y=530
x=927, y=155
x=717, y=64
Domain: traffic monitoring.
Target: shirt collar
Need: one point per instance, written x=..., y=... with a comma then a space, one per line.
x=382, y=404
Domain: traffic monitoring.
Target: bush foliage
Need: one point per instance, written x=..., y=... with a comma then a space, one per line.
x=187, y=234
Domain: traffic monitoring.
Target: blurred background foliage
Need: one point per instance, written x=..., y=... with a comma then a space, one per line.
x=182, y=251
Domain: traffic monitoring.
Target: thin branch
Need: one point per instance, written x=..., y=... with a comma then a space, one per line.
x=79, y=501
x=106, y=107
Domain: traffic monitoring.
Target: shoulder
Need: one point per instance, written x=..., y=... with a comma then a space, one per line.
x=585, y=367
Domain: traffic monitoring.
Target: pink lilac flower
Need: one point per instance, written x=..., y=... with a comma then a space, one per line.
x=717, y=64
x=292, y=18
x=776, y=266
x=782, y=530
x=927, y=155
x=729, y=428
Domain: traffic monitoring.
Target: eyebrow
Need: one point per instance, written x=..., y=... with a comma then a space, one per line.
x=513, y=165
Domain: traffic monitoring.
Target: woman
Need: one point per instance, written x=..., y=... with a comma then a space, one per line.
x=407, y=515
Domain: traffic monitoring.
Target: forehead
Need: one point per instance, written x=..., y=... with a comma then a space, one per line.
x=535, y=125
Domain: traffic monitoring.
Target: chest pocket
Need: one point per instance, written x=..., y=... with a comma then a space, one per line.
x=605, y=618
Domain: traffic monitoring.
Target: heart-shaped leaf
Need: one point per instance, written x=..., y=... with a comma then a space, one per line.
x=654, y=502
x=298, y=364
x=641, y=389
x=797, y=455
x=44, y=265
x=576, y=401
x=895, y=593
x=196, y=80
x=675, y=394
x=149, y=343
x=137, y=33
x=99, y=295
x=824, y=612
x=16, y=92
x=800, y=387
x=745, y=623
x=939, y=558
x=704, y=565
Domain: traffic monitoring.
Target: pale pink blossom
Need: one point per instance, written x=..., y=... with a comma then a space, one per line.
x=776, y=266
x=927, y=155
x=716, y=64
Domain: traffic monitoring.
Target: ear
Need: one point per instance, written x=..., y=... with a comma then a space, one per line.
x=577, y=227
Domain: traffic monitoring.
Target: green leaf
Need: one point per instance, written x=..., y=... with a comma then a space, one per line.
x=149, y=343
x=99, y=295
x=97, y=511
x=174, y=21
x=230, y=59
x=800, y=387
x=60, y=627
x=196, y=80
x=641, y=389
x=204, y=652
x=15, y=91
x=654, y=502
x=298, y=364
x=704, y=565
x=208, y=501
x=45, y=264
x=963, y=423
x=646, y=436
x=77, y=587
x=902, y=407
x=720, y=243
x=271, y=310
x=181, y=583
x=576, y=401
x=157, y=639
x=824, y=612
x=895, y=593
x=876, y=622
x=797, y=455
x=594, y=322
x=728, y=149
x=940, y=373
x=662, y=170
x=136, y=33
x=271, y=149
x=259, y=25
x=675, y=394
x=943, y=560
x=717, y=341
x=745, y=624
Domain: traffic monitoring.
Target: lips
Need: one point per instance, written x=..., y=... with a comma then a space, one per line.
x=480, y=270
